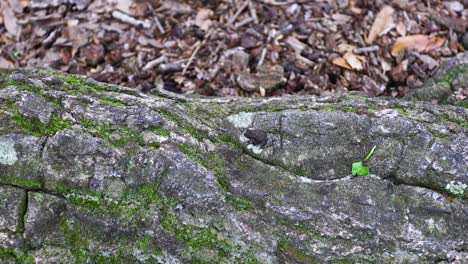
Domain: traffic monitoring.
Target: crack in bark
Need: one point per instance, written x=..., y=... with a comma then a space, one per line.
x=22, y=213
x=38, y=190
x=280, y=121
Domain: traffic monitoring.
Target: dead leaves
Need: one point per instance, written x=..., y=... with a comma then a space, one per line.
x=350, y=61
x=382, y=22
x=323, y=46
x=342, y=63
x=422, y=43
x=5, y=64
x=356, y=62
x=202, y=20
x=9, y=19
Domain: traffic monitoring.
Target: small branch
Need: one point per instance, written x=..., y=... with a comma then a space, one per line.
x=198, y=46
x=169, y=67
x=158, y=24
x=130, y=20
x=239, y=11
x=274, y=3
x=262, y=57
x=154, y=63
x=366, y=49
x=253, y=12
x=244, y=22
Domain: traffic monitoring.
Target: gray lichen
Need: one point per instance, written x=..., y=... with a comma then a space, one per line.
x=7, y=153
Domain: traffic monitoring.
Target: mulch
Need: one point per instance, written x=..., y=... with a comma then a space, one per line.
x=238, y=47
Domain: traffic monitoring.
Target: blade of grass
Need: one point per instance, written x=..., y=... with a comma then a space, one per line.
x=370, y=153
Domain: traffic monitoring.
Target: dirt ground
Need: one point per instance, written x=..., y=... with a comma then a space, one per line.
x=238, y=47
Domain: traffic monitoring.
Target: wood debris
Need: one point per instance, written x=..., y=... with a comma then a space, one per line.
x=421, y=43
x=382, y=21
x=322, y=47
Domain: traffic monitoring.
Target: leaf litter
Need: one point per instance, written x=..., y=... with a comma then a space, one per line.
x=387, y=47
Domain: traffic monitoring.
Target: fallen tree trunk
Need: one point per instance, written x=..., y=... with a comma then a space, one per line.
x=98, y=173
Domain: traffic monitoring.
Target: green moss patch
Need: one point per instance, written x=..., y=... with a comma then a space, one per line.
x=117, y=137
x=304, y=229
x=289, y=253
x=22, y=85
x=458, y=121
x=214, y=162
x=35, y=127
x=80, y=86
x=184, y=125
x=452, y=74
x=230, y=141
x=20, y=257
x=161, y=132
x=195, y=238
x=210, y=160
x=111, y=101
x=134, y=204
x=239, y=203
x=75, y=241
x=26, y=86
x=81, y=244
x=23, y=183
x=400, y=110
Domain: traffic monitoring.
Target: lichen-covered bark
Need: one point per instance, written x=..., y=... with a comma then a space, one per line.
x=451, y=77
x=92, y=173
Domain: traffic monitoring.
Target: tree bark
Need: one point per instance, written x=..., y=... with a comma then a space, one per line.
x=91, y=173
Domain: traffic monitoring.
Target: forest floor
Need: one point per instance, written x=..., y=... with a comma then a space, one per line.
x=239, y=47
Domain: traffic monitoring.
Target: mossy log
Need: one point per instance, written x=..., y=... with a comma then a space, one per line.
x=95, y=173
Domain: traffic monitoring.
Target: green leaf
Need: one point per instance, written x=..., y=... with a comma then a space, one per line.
x=360, y=169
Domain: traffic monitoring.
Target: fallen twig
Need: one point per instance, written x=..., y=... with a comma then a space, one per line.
x=158, y=24
x=262, y=57
x=366, y=49
x=169, y=67
x=253, y=12
x=198, y=46
x=271, y=2
x=239, y=11
x=130, y=20
x=244, y=22
x=47, y=42
x=154, y=63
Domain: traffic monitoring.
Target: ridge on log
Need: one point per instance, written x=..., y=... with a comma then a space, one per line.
x=96, y=173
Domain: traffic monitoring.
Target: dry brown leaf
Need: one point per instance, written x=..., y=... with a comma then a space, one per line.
x=383, y=19
x=341, y=19
x=24, y=3
x=344, y=47
x=342, y=63
x=9, y=20
x=354, y=61
x=5, y=64
x=202, y=20
x=386, y=66
x=124, y=5
x=421, y=43
x=353, y=7
x=401, y=28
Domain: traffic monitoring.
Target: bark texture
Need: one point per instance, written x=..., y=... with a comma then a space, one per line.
x=94, y=173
